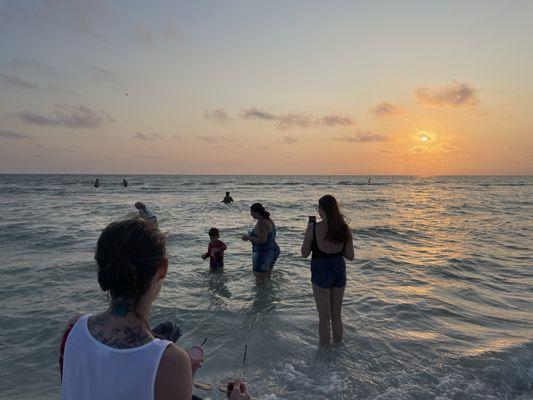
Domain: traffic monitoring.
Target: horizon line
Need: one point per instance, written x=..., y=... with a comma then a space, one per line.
x=194, y=174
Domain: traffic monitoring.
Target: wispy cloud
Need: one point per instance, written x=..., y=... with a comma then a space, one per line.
x=208, y=139
x=147, y=136
x=335, y=120
x=149, y=156
x=220, y=140
x=290, y=139
x=149, y=37
x=364, y=137
x=455, y=95
x=58, y=149
x=254, y=113
x=20, y=83
x=34, y=66
x=288, y=121
x=13, y=135
x=294, y=120
x=219, y=115
x=58, y=88
x=386, y=109
x=16, y=82
x=99, y=74
x=69, y=116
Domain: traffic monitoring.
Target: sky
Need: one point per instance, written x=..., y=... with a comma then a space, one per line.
x=270, y=87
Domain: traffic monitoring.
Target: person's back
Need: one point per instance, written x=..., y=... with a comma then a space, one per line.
x=93, y=370
x=323, y=245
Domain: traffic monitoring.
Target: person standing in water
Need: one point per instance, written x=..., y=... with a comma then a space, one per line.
x=96, y=183
x=215, y=251
x=228, y=199
x=114, y=354
x=146, y=214
x=265, y=250
x=124, y=182
x=330, y=241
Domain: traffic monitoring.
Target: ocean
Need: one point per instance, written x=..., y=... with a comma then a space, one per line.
x=438, y=305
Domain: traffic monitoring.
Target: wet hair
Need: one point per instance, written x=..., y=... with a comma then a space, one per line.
x=227, y=193
x=128, y=254
x=139, y=205
x=214, y=232
x=338, y=230
x=258, y=208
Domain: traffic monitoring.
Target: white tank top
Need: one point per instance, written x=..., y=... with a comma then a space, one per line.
x=92, y=370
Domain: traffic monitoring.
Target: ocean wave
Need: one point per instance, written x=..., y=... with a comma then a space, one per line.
x=489, y=375
x=352, y=183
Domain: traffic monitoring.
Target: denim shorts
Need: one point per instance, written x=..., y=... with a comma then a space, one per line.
x=264, y=260
x=328, y=272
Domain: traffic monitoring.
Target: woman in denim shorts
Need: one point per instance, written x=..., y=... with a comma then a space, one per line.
x=329, y=241
x=265, y=250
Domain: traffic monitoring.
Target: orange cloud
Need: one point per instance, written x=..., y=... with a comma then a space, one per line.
x=386, y=109
x=293, y=120
x=454, y=96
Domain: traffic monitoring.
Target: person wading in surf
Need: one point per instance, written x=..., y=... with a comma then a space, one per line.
x=330, y=241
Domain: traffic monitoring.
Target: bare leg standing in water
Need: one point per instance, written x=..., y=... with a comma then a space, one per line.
x=323, y=306
x=337, y=294
x=329, y=307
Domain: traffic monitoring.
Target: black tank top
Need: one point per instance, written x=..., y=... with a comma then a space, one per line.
x=317, y=253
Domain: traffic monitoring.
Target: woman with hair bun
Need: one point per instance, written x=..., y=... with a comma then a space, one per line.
x=265, y=250
x=114, y=354
x=330, y=241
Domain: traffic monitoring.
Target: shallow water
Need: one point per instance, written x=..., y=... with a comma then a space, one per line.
x=439, y=301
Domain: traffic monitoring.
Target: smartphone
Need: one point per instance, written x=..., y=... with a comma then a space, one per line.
x=312, y=219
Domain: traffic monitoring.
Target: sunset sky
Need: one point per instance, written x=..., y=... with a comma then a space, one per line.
x=271, y=87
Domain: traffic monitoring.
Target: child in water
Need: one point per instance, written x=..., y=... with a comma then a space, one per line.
x=215, y=251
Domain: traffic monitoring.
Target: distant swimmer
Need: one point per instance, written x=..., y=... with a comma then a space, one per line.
x=146, y=214
x=228, y=199
x=124, y=182
x=369, y=181
x=96, y=183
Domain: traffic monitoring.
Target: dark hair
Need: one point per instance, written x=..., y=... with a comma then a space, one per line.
x=258, y=208
x=338, y=230
x=227, y=193
x=128, y=254
x=214, y=232
x=140, y=205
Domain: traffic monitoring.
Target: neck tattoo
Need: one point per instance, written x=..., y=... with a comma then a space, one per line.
x=121, y=308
